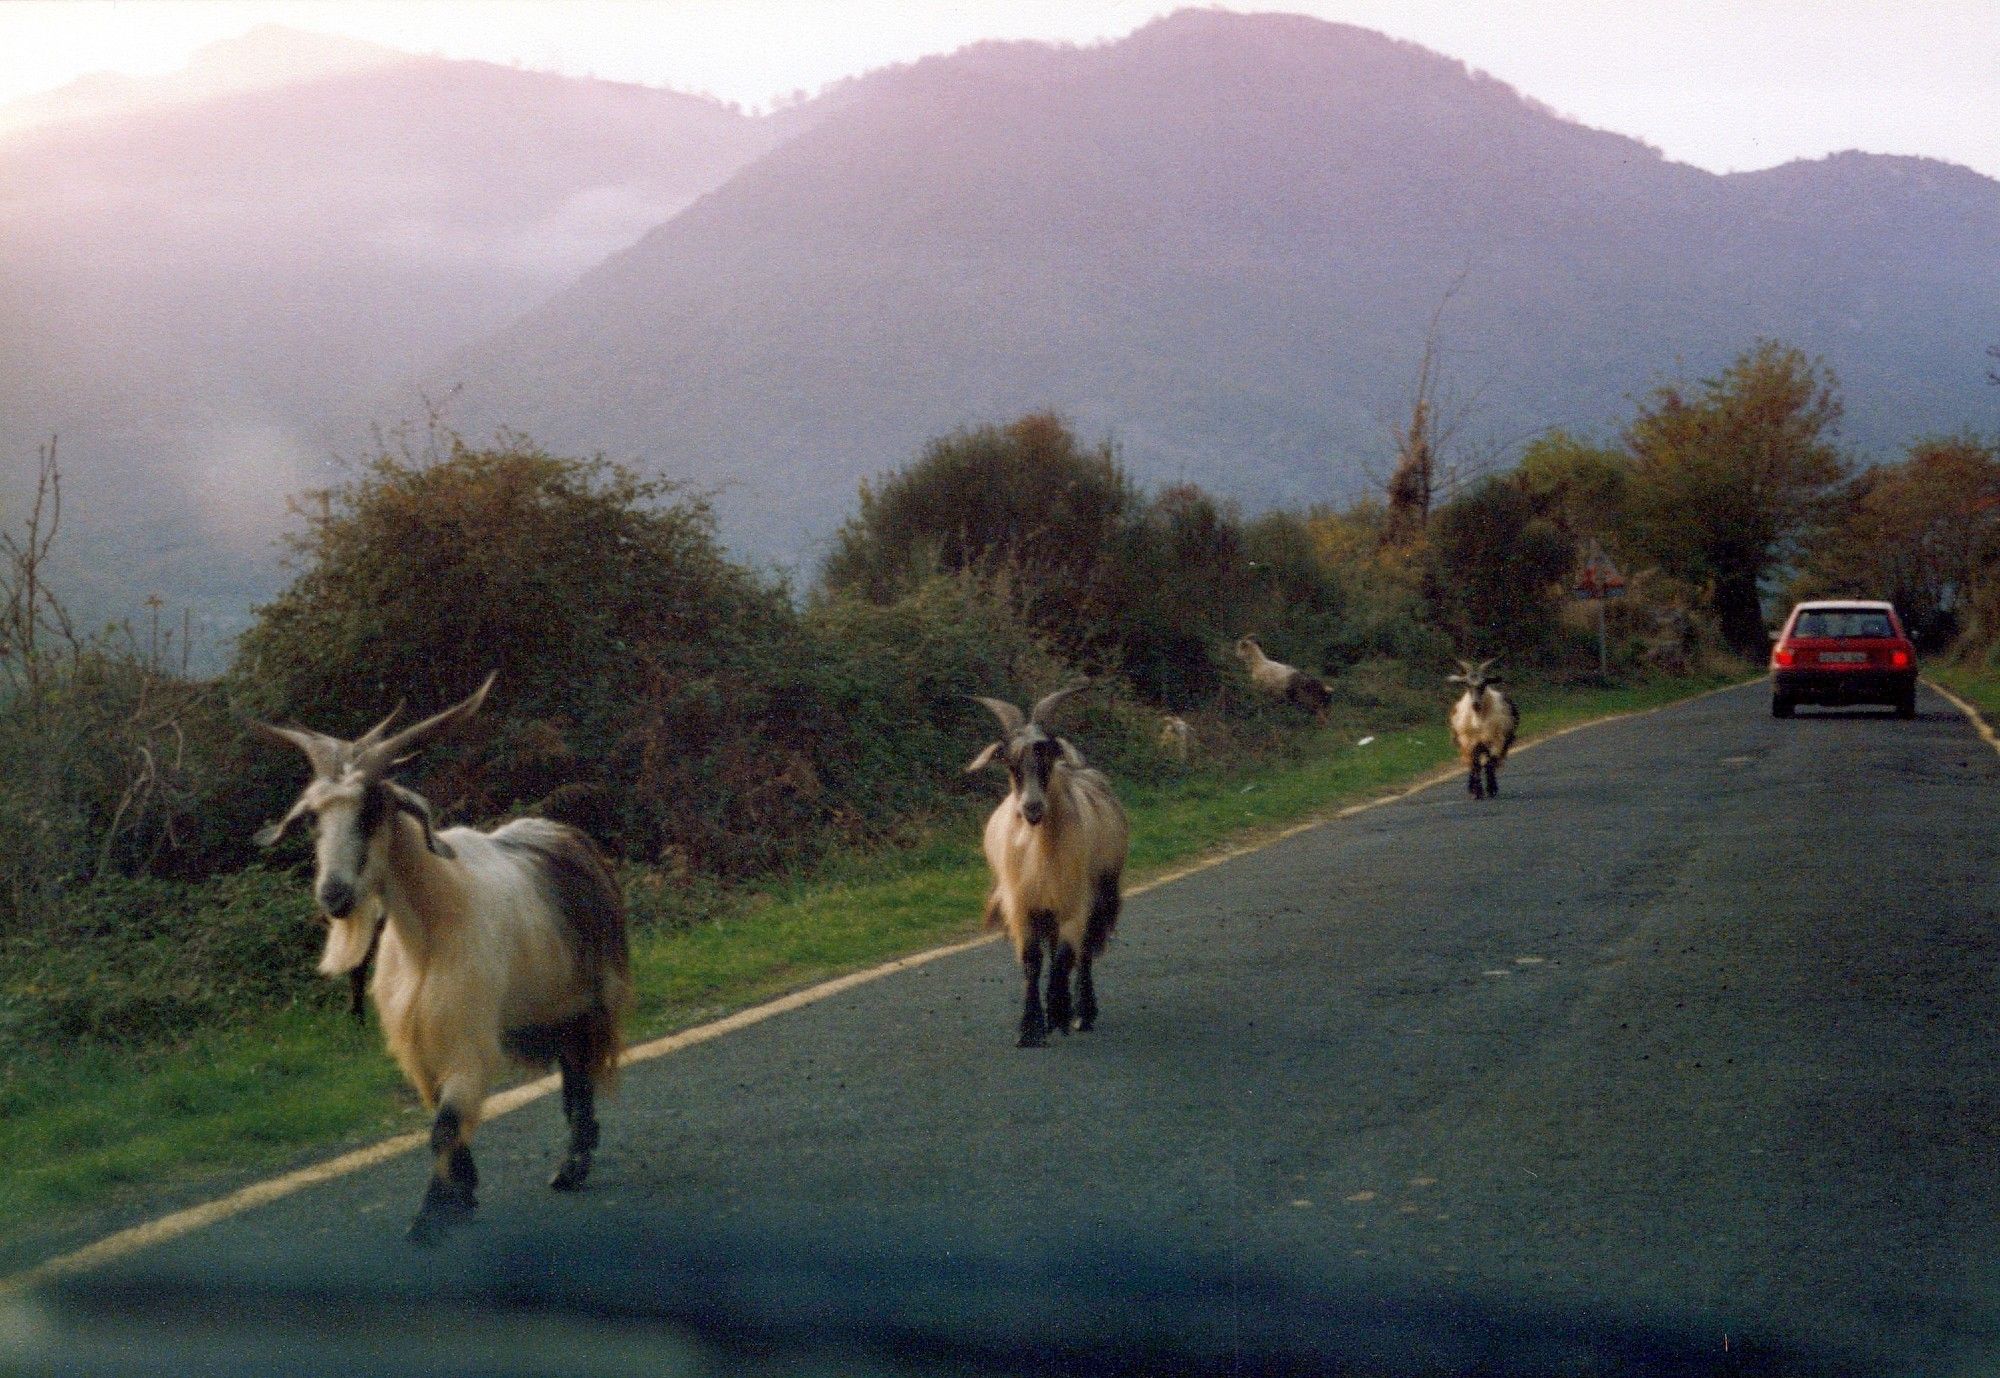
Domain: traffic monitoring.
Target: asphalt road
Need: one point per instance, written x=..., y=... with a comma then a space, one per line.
x=1680, y=1056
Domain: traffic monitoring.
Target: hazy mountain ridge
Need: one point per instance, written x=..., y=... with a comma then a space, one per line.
x=1220, y=240
x=208, y=298
x=270, y=55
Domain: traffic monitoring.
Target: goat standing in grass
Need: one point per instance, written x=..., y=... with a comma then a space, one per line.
x=493, y=946
x=1280, y=680
x=1057, y=848
x=1483, y=723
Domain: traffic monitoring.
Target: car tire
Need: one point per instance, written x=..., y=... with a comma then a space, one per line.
x=1906, y=706
x=1781, y=707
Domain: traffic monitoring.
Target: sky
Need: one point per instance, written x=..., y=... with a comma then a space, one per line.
x=1726, y=85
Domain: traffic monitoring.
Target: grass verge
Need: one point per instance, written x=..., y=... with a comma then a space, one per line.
x=1978, y=687
x=100, y=1137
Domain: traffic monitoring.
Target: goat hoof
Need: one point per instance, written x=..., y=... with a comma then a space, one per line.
x=569, y=1177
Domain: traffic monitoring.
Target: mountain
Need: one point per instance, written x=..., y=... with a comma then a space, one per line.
x=1221, y=241
x=267, y=56
x=205, y=293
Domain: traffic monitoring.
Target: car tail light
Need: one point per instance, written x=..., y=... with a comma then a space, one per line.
x=1784, y=656
x=1899, y=660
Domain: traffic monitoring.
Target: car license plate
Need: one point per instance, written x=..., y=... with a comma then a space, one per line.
x=1842, y=657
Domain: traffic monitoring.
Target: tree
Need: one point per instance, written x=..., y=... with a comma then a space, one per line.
x=1492, y=571
x=1924, y=533
x=1024, y=502
x=1185, y=587
x=1579, y=488
x=1731, y=477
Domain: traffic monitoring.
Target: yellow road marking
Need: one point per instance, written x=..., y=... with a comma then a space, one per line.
x=1972, y=714
x=183, y=1222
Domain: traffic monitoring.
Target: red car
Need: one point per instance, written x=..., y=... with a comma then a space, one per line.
x=1843, y=651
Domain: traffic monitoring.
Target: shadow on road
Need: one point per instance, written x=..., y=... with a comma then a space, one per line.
x=811, y=1297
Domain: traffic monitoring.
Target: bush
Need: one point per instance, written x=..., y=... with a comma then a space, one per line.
x=1157, y=590
x=1491, y=573
x=115, y=767
x=897, y=681
x=147, y=961
x=633, y=657
x=583, y=585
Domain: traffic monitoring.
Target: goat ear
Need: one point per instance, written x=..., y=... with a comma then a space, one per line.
x=419, y=808
x=983, y=759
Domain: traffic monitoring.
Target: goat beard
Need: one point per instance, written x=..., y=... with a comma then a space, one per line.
x=347, y=941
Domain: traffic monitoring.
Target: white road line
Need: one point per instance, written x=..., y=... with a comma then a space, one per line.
x=183, y=1222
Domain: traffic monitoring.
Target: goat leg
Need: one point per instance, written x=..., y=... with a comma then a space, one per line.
x=1492, y=779
x=1086, y=997
x=448, y=1199
x=1059, y=1002
x=1034, y=1024
x=579, y=1108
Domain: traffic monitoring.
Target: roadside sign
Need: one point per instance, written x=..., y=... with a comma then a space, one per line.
x=1596, y=580
x=1596, y=576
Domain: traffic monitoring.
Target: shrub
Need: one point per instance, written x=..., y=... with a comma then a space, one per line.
x=581, y=583
x=1491, y=570
x=147, y=961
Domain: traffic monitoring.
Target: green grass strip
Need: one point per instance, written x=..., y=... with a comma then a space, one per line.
x=100, y=1138
x=1977, y=686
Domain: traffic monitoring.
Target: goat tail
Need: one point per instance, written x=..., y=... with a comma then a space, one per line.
x=604, y=1023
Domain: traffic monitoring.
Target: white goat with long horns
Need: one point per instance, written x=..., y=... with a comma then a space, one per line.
x=1057, y=848
x=494, y=946
x=1483, y=724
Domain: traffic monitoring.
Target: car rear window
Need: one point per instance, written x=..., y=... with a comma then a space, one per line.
x=1843, y=622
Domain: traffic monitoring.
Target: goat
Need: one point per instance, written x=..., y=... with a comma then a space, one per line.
x=492, y=945
x=1175, y=734
x=1483, y=723
x=1284, y=681
x=1057, y=848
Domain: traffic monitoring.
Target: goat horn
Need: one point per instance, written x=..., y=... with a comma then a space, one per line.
x=379, y=756
x=374, y=734
x=1011, y=720
x=323, y=751
x=1484, y=665
x=1047, y=703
